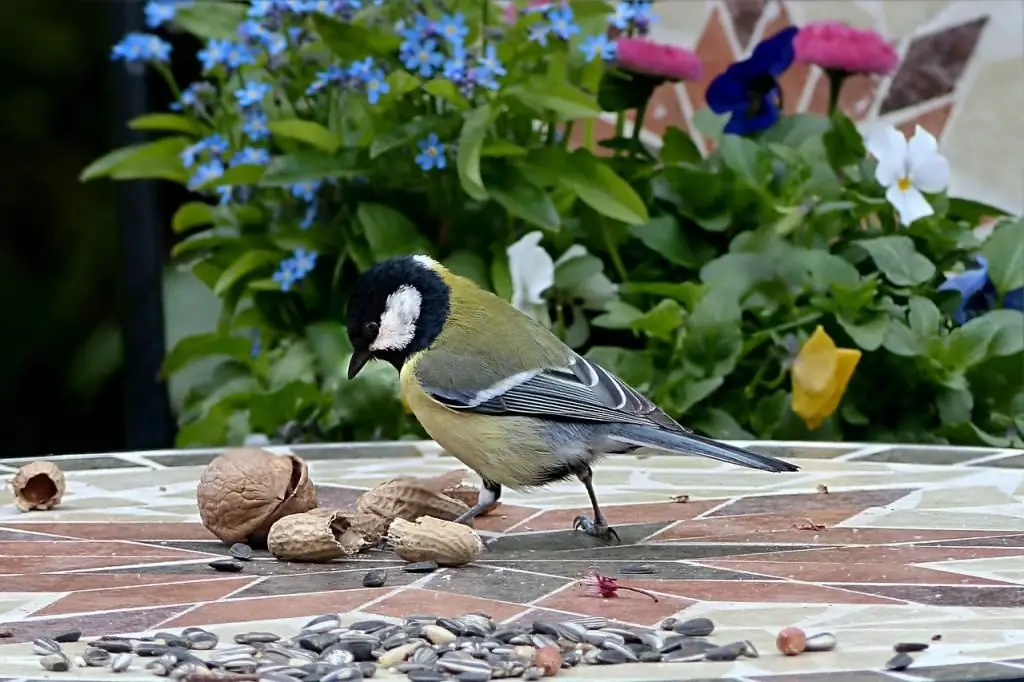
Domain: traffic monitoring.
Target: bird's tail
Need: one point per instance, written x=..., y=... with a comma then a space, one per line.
x=690, y=443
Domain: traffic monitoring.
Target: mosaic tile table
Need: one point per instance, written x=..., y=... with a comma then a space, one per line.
x=909, y=544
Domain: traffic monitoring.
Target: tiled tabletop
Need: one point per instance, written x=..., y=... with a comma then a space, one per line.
x=908, y=544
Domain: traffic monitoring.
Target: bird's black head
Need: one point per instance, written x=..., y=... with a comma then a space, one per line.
x=397, y=308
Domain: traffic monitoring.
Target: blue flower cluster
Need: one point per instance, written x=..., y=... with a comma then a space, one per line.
x=558, y=21
x=159, y=12
x=207, y=156
x=439, y=48
x=362, y=75
x=293, y=269
x=140, y=48
x=633, y=16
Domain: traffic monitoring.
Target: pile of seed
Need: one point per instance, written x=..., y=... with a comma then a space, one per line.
x=467, y=648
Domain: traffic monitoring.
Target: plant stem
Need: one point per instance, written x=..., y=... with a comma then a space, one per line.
x=560, y=317
x=567, y=133
x=620, y=128
x=613, y=252
x=638, y=122
x=588, y=134
x=835, y=86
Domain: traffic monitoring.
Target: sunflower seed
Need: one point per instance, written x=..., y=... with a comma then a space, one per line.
x=277, y=677
x=183, y=670
x=606, y=657
x=626, y=635
x=477, y=624
x=226, y=566
x=541, y=627
x=241, y=551
x=114, y=646
x=342, y=675
x=68, y=636
x=337, y=657
x=543, y=640
x=900, y=661
x=317, y=643
x=638, y=569
x=533, y=673
x=600, y=637
x=170, y=639
x=44, y=645
x=399, y=654
x=256, y=638
x=369, y=625
x=438, y=635
x=824, y=641
x=695, y=627
x=572, y=658
x=201, y=640
x=323, y=623
x=749, y=650
x=158, y=668
x=375, y=578
x=612, y=645
x=227, y=653
x=649, y=656
x=574, y=632
x=906, y=647
x=421, y=567
x=149, y=649
x=121, y=663
x=426, y=675
x=458, y=665
x=367, y=668
x=669, y=623
x=57, y=663
x=727, y=652
x=361, y=650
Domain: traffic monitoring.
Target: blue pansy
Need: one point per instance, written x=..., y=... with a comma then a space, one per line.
x=192, y=96
x=978, y=293
x=431, y=153
x=749, y=90
x=631, y=14
x=598, y=47
x=141, y=47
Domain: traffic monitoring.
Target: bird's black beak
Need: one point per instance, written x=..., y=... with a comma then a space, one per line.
x=358, y=361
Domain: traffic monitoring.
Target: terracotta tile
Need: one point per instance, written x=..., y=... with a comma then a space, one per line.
x=907, y=554
x=291, y=606
x=66, y=582
x=757, y=591
x=744, y=15
x=503, y=517
x=715, y=54
x=627, y=607
x=1009, y=539
x=417, y=601
x=933, y=65
x=76, y=548
x=757, y=527
x=120, y=531
x=620, y=515
x=795, y=79
x=950, y=595
x=933, y=121
x=856, y=97
x=824, y=572
x=864, y=536
x=602, y=131
x=137, y=597
x=798, y=504
x=38, y=564
x=91, y=625
x=9, y=535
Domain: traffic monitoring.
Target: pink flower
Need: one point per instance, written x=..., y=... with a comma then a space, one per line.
x=667, y=61
x=834, y=45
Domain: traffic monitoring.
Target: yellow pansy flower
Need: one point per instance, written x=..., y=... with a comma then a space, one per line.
x=821, y=373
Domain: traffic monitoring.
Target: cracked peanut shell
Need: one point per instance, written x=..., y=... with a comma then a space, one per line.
x=432, y=539
x=317, y=535
x=409, y=498
x=245, y=490
x=38, y=486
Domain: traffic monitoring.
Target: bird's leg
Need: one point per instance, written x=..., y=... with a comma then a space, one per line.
x=599, y=527
x=489, y=494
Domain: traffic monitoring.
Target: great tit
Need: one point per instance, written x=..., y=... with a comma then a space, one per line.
x=502, y=393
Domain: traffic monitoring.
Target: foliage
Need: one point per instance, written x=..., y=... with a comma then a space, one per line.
x=330, y=141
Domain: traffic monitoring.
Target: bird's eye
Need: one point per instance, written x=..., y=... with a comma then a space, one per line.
x=370, y=329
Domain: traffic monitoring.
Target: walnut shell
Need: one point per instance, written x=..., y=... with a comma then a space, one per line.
x=431, y=539
x=409, y=498
x=245, y=490
x=317, y=535
x=38, y=485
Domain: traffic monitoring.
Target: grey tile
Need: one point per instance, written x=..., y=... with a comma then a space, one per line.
x=185, y=459
x=308, y=452
x=996, y=541
x=263, y=567
x=804, y=452
x=932, y=455
x=278, y=585
x=801, y=503
x=969, y=672
x=77, y=463
x=488, y=583
x=665, y=570
x=949, y=595
x=92, y=624
x=1012, y=462
x=836, y=676
x=553, y=544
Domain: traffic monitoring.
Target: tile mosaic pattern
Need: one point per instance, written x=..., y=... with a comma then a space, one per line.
x=957, y=58
x=877, y=544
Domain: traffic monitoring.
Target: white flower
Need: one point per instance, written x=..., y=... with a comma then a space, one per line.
x=532, y=272
x=906, y=169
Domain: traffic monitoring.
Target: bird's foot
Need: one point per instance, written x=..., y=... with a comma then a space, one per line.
x=600, y=531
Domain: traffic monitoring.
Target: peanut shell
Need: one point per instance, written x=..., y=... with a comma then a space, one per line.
x=373, y=527
x=432, y=539
x=409, y=498
x=38, y=485
x=317, y=535
x=245, y=490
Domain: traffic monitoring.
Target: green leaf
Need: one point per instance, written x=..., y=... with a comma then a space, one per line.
x=508, y=186
x=662, y=321
x=678, y=147
x=720, y=424
x=687, y=293
x=955, y=406
x=353, y=41
x=924, y=317
x=448, y=91
x=746, y=158
x=159, y=159
x=901, y=340
x=997, y=333
x=869, y=334
x=575, y=271
x=971, y=211
x=310, y=132
x=898, y=260
x=308, y=166
x=209, y=430
x=471, y=141
x=389, y=233
x=710, y=124
x=218, y=20
x=244, y=266
x=617, y=315
x=844, y=145
x=399, y=136
x=199, y=346
x=331, y=347
x=193, y=214
x=714, y=340
x=601, y=188
x=1004, y=250
x=242, y=174
x=171, y=122
x=470, y=265
x=664, y=236
x=502, y=148
x=692, y=391
x=541, y=94
x=622, y=90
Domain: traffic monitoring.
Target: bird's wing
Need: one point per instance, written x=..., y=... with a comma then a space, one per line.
x=579, y=391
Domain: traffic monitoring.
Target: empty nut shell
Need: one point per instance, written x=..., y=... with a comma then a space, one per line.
x=320, y=535
x=432, y=539
x=409, y=499
x=38, y=486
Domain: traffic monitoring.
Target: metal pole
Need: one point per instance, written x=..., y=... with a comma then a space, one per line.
x=148, y=423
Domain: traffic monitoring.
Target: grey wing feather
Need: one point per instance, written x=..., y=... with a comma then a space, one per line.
x=581, y=391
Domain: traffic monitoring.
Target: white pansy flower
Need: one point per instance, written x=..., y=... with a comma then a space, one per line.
x=532, y=272
x=907, y=169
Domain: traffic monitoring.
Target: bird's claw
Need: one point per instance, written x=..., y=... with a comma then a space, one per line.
x=599, y=531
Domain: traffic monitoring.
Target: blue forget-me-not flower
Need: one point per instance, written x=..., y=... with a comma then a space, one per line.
x=598, y=47
x=159, y=12
x=431, y=153
x=252, y=94
x=137, y=48
x=256, y=127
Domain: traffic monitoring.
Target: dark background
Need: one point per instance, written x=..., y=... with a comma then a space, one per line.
x=63, y=298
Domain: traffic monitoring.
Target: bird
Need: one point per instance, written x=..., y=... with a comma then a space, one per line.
x=502, y=393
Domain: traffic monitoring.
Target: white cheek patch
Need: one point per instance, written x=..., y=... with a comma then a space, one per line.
x=398, y=322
